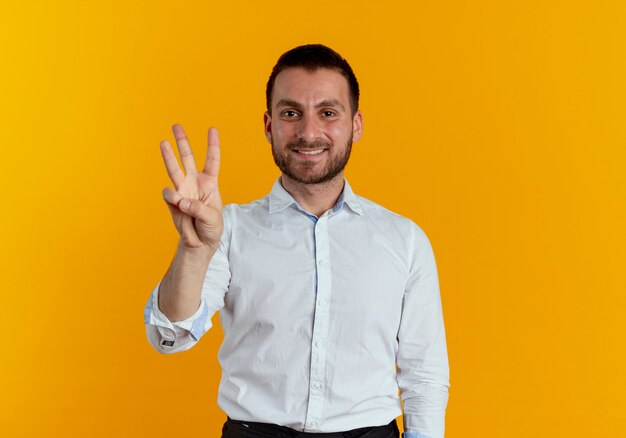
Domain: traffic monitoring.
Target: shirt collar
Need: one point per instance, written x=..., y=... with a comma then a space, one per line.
x=279, y=198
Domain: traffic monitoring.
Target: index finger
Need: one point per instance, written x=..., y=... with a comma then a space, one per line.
x=212, y=163
x=171, y=165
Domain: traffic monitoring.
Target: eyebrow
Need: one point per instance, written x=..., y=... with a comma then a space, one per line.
x=287, y=102
x=325, y=103
x=331, y=103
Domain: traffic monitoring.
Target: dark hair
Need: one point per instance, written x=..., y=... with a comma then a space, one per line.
x=313, y=57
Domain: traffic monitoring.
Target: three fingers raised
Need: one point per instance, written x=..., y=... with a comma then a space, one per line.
x=211, y=165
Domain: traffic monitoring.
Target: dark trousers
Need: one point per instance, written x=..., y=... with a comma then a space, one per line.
x=249, y=429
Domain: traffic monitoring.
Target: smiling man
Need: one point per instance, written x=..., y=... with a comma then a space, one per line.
x=330, y=303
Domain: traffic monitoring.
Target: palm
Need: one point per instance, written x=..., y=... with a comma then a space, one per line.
x=194, y=185
x=198, y=186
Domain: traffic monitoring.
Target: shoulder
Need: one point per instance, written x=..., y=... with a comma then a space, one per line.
x=237, y=215
x=380, y=213
x=395, y=224
x=233, y=210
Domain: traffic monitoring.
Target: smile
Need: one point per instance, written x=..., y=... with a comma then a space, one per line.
x=307, y=152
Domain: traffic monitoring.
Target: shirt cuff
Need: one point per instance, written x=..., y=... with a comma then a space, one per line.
x=170, y=337
x=414, y=435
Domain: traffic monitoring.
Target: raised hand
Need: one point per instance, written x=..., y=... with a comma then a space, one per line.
x=195, y=203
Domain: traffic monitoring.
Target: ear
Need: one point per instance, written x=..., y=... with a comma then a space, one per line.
x=267, y=121
x=357, y=126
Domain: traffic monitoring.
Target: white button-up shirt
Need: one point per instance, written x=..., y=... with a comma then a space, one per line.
x=324, y=318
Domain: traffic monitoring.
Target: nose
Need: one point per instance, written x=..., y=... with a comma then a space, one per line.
x=309, y=128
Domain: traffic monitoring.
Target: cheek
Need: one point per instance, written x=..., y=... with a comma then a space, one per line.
x=340, y=133
x=280, y=132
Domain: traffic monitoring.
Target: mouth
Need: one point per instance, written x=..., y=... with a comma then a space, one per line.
x=309, y=151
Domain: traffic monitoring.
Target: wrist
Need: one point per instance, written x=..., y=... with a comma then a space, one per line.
x=200, y=252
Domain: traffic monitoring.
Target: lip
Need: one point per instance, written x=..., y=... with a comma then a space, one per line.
x=309, y=156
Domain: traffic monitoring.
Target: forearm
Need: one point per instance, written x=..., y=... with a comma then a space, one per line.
x=425, y=409
x=181, y=287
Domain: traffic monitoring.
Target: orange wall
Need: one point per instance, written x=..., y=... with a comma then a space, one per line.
x=496, y=126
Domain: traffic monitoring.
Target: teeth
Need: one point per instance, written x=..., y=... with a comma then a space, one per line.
x=312, y=152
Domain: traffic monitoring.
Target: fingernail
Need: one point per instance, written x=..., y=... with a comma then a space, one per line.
x=184, y=204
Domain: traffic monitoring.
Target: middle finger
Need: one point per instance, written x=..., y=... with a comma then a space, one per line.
x=186, y=154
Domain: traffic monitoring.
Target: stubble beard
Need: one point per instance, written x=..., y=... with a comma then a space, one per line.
x=299, y=171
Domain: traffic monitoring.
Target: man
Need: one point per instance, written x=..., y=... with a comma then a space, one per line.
x=329, y=303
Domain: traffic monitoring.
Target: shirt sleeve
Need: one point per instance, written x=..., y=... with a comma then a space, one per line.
x=172, y=337
x=422, y=360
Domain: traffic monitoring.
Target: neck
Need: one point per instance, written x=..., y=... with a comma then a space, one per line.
x=314, y=198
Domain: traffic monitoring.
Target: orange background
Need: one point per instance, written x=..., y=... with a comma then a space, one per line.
x=497, y=126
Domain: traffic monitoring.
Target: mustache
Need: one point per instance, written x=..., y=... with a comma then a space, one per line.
x=303, y=144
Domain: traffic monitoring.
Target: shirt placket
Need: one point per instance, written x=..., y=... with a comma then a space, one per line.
x=320, y=327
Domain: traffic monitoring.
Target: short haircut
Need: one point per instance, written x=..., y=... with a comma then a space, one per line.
x=312, y=57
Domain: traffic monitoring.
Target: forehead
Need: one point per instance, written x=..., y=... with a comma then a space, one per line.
x=299, y=84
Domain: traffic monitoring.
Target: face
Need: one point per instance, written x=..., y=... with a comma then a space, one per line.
x=311, y=126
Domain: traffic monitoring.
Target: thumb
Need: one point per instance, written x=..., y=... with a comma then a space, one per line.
x=194, y=208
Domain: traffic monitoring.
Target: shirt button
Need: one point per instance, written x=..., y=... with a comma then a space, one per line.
x=322, y=262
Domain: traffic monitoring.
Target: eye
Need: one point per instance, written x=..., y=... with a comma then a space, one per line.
x=289, y=114
x=328, y=113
